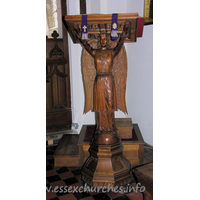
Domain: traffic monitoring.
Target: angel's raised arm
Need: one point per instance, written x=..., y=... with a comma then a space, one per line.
x=123, y=36
x=89, y=49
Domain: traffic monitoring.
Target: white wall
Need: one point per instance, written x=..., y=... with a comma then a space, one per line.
x=140, y=83
x=139, y=96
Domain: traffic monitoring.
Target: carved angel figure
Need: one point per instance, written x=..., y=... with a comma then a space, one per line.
x=104, y=74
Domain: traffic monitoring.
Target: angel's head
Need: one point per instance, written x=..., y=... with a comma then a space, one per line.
x=103, y=40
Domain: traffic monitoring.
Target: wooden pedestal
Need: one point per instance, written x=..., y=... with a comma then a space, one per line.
x=133, y=148
x=72, y=150
x=106, y=166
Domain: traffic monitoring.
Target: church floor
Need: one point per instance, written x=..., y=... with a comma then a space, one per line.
x=70, y=176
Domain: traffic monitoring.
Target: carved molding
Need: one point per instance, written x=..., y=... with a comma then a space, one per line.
x=56, y=58
x=54, y=70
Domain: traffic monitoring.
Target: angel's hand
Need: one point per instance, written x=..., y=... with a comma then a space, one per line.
x=76, y=28
x=126, y=28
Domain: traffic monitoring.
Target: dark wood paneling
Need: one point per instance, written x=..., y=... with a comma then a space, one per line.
x=66, y=50
x=58, y=100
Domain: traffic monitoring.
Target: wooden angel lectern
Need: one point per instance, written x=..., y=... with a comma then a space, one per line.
x=104, y=68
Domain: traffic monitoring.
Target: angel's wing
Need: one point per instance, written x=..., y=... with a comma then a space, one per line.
x=120, y=76
x=89, y=73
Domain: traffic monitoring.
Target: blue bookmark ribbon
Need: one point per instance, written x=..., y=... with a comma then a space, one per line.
x=114, y=28
x=84, y=27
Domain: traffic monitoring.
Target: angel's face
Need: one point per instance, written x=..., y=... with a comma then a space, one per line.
x=103, y=40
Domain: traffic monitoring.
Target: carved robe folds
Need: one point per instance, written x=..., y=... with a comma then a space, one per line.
x=105, y=85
